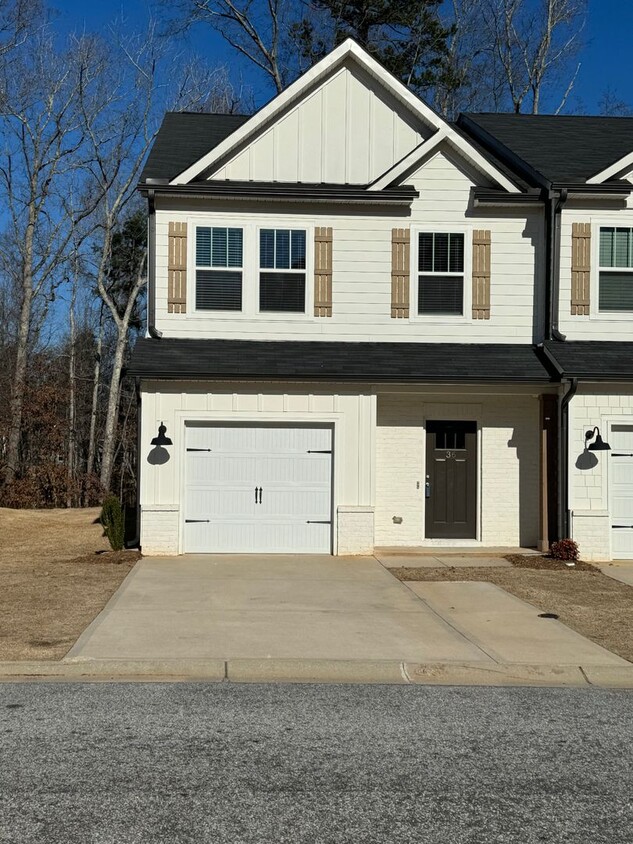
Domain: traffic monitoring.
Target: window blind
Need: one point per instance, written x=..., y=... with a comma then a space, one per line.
x=441, y=268
x=221, y=250
x=279, y=250
x=218, y=290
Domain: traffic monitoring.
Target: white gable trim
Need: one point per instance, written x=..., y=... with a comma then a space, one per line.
x=347, y=49
x=400, y=167
x=611, y=170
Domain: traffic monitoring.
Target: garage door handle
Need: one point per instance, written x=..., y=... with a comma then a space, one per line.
x=258, y=491
x=319, y=522
x=196, y=521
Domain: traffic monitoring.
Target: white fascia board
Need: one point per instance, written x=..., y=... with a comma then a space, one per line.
x=400, y=167
x=612, y=170
x=348, y=48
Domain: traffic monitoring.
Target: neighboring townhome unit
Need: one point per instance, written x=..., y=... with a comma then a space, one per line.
x=584, y=169
x=346, y=295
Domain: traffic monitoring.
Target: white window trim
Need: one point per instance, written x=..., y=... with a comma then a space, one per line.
x=594, y=278
x=308, y=313
x=226, y=312
x=441, y=319
x=250, y=271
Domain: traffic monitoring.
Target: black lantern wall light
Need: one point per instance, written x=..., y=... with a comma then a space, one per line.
x=598, y=443
x=161, y=439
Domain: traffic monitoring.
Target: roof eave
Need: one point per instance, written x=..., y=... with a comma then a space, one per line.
x=403, y=195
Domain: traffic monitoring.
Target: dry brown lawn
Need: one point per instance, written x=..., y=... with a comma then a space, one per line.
x=57, y=574
x=586, y=600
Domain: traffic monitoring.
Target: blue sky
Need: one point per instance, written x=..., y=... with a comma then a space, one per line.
x=607, y=59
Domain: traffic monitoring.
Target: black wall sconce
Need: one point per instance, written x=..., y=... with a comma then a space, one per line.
x=161, y=439
x=598, y=444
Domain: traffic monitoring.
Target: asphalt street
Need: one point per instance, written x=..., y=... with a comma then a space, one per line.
x=130, y=763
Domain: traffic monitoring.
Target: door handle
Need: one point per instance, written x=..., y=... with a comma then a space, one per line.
x=427, y=489
x=258, y=495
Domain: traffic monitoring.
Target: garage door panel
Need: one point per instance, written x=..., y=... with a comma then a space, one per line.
x=291, y=466
x=621, y=483
x=295, y=469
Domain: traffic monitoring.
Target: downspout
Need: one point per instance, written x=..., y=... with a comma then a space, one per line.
x=555, y=202
x=563, y=520
x=151, y=267
x=136, y=541
x=564, y=515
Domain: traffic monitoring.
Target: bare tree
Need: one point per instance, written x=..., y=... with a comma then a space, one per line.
x=259, y=30
x=611, y=105
x=43, y=138
x=511, y=55
x=121, y=112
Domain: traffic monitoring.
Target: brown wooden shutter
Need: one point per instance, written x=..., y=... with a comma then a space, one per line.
x=580, y=268
x=481, y=274
x=400, y=272
x=177, y=269
x=322, y=272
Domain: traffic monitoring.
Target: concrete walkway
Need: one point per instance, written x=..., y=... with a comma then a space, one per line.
x=303, y=608
x=621, y=570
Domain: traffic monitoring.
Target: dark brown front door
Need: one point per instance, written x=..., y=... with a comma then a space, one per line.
x=451, y=480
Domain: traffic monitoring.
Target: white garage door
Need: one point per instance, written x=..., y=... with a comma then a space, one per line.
x=621, y=474
x=258, y=489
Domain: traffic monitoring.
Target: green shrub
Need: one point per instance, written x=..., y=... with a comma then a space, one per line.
x=113, y=522
x=564, y=549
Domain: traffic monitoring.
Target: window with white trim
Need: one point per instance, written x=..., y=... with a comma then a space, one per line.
x=282, y=270
x=615, y=270
x=219, y=264
x=441, y=273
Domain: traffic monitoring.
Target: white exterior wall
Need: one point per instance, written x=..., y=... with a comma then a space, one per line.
x=347, y=131
x=589, y=487
x=361, y=280
x=508, y=455
x=352, y=415
x=596, y=326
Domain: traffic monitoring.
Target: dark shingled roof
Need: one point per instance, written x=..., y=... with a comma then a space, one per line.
x=564, y=149
x=183, y=138
x=325, y=360
x=602, y=360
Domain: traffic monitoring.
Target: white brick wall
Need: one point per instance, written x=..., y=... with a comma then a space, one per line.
x=159, y=531
x=508, y=455
x=590, y=529
x=355, y=530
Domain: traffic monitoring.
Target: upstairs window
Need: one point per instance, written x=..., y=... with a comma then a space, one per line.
x=615, y=291
x=219, y=269
x=282, y=275
x=441, y=273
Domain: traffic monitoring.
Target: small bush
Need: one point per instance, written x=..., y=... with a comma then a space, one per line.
x=113, y=522
x=564, y=549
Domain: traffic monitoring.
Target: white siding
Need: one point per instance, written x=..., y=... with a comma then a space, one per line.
x=361, y=282
x=596, y=326
x=508, y=464
x=349, y=130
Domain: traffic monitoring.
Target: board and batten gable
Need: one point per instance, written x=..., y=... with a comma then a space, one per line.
x=349, y=130
x=362, y=264
x=593, y=324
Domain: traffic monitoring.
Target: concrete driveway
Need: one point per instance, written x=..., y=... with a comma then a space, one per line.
x=318, y=607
